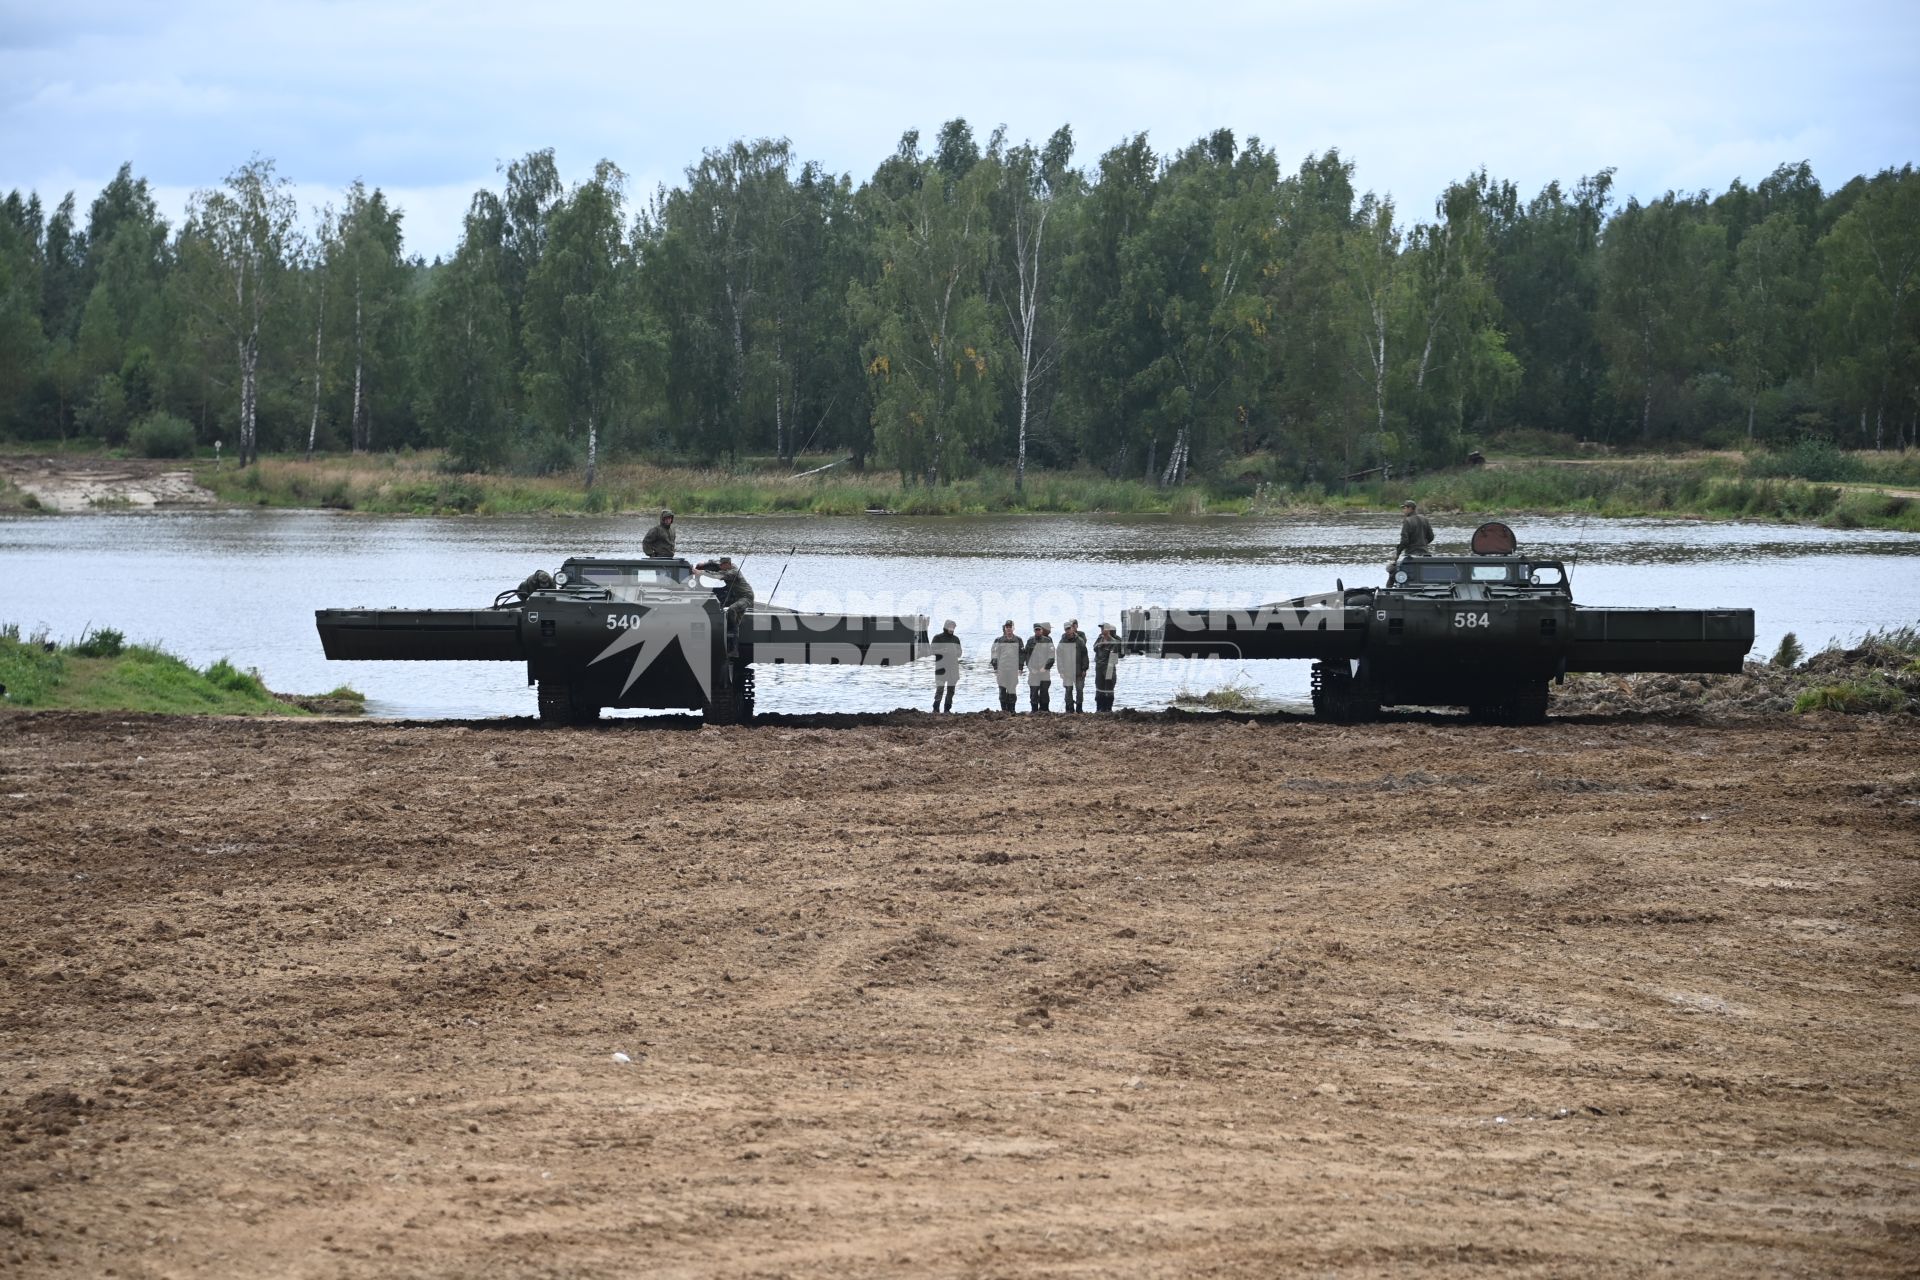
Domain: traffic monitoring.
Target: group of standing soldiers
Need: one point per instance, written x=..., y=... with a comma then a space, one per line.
x=1038, y=657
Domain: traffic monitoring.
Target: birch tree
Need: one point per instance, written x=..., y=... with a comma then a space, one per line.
x=239, y=239
x=1872, y=265
x=321, y=248
x=579, y=317
x=372, y=276
x=931, y=343
x=1769, y=287
x=1372, y=274
x=467, y=349
x=1031, y=185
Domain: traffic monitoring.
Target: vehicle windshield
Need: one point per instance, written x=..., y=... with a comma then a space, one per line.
x=625, y=580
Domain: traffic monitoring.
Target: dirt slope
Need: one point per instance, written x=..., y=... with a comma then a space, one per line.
x=1152, y=997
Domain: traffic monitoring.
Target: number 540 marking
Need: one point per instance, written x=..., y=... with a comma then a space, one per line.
x=1472, y=619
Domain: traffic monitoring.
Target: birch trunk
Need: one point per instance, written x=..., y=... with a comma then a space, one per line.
x=319, y=322
x=593, y=449
x=359, y=433
x=249, y=397
x=779, y=395
x=1646, y=399
x=1027, y=310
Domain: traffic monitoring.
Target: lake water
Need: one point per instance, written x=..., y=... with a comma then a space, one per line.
x=244, y=584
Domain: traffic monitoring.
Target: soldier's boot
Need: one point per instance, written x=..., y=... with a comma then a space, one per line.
x=949, y=707
x=1102, y=701
x=1008, y=702
x=936, y=701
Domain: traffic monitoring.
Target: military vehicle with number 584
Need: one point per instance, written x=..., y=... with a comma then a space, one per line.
x=1489, y=630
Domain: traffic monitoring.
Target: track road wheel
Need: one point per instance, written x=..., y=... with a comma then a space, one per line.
x=557, y=705
x=721, y=707
x=1339, y=698
x=1528, y=705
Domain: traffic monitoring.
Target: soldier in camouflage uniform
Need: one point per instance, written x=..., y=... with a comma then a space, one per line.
x=659, y=542
x=1416, y=533
x=1038, y=656
x=1006, y=657
x=1106, y=667
x=946, y=665
x=1073, y=667
x=739, y=593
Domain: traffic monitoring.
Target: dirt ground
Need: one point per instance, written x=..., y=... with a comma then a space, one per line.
x=84, y=482
x=1147, y=996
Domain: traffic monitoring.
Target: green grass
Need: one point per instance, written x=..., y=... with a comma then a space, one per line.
x=1853, y=697
x=417, y=485
x=1236, y=695
x=101, y=673
x=1714, y=488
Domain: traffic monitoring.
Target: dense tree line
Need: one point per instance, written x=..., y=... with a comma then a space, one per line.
x=973, y=304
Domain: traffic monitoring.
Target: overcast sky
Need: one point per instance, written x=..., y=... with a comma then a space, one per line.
x=428, y=100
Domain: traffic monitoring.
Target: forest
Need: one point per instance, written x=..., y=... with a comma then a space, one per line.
x=970, y=306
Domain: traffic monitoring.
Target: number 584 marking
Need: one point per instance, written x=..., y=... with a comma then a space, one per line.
x=1472, y=619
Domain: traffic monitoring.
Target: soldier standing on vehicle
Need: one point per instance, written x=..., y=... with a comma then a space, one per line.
x=1106, y=667
x=1073, y=667
x=738, y=595
x=1038, y=656
x=1006, y=657
x=1416, y=534
x=659, y=542
x=946, y=666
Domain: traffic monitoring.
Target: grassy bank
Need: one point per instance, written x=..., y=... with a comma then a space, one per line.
x=419, y=484
x=1712, y=486
x=1810, y=483
x=1707, y=487
x=101, y=672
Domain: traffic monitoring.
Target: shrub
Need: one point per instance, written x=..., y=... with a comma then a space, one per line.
x=101, y=642
x=225, y=675
x=1851, y=697
x=1809, y=458
x=1789, y=653
x=161, y=435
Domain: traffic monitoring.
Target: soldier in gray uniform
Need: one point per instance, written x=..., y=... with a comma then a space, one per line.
x=946, y=665
x=1073, y=667
x=739, y=592
x=1106, y=667
x=1038, y=657
x=658, y=544
x=1416, y=535
x=1006, y=657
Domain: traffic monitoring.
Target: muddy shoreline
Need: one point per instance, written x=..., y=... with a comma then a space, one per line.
x=1150, y=995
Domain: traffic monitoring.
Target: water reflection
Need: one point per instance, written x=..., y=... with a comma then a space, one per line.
x=243, y=584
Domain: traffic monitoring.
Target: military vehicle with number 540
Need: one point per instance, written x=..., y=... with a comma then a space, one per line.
x=606, y=632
